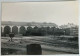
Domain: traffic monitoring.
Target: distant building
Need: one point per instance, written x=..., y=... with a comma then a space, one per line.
x=74, y=31
x=69, y=25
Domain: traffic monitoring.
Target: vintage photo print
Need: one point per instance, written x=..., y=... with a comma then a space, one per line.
x=39, y=28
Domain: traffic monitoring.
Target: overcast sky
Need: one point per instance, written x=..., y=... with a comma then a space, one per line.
x=55, y=12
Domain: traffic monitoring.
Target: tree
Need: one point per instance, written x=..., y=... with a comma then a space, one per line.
x=48, y=32
x=6, y=30
x=29, y=30
x=15, y=29
x=43, y=31
x=35, y=31
x=52, y=30
x=22, y=30
x=67, y=31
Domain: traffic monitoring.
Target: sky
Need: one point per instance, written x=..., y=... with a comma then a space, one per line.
x=60, y=13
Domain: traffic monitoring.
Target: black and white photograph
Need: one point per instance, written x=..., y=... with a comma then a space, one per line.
x=39, y=28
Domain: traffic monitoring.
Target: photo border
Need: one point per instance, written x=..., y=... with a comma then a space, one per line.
x=39, y=1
